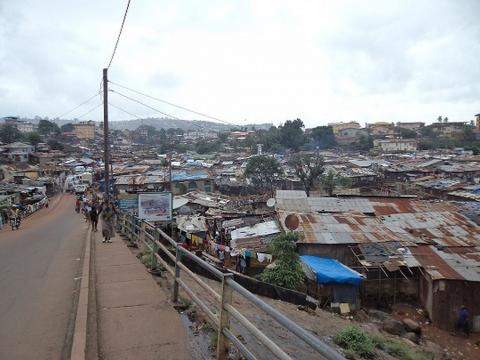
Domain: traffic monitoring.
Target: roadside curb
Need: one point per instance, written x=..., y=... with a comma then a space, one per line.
x=79, y=343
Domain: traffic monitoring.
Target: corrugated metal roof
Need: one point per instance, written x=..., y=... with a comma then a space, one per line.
x=191, y=224
x=467, y=264
x=290, y=194
x=434, y=264
x=346, y=229
x=261, y=229
x=335, y=205
x=390, y=254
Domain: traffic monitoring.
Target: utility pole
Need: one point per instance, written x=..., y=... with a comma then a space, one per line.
x=106, y=146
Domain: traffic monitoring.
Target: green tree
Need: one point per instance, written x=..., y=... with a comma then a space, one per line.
x=308, y=168
x=223, y=137
x=33, y=138
x=288, y=271
x=46, y=127
x=427, y=132
x=323, y=137
x=270, y=139
x=468, y=134
x=9, y=134
x=205, y=147
x=407, y=133
x=364, y=143
x=291, y=134
x=67, y=128
x=331, y=180
x=55, y=145
x=263, y=171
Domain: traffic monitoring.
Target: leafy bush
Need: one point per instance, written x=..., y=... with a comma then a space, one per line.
x=355, y=341
x=402, y=351
x=288, y=271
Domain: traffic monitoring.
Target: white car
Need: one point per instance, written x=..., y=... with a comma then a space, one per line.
x=80, y=189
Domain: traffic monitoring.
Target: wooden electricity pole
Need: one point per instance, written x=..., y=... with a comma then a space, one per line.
x=106, y=146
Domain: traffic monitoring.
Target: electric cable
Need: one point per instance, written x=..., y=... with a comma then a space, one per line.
x=119, y=34
x=89, y=111
x=82, y=103
x=155, y=109
x=141, y=103
x=125, y=111
x=172, y=104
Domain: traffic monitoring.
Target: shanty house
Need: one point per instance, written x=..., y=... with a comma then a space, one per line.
x=407, y=249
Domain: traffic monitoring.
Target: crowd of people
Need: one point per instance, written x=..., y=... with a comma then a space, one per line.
x=94, y=208
x=16, y=212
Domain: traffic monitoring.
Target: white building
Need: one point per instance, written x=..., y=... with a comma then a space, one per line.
x=410, y=125
x=26, y=127
x=396, y=145
x=200, y=134
x=18, y=151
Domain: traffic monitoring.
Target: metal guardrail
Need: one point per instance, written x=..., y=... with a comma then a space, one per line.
x=140, y=231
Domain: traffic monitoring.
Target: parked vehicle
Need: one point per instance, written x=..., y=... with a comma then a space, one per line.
x=80, y=189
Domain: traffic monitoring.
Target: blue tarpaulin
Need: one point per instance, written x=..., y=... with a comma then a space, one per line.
x=328, y=270
x=183, y=176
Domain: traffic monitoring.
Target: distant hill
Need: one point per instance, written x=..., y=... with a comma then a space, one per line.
x=164, y=123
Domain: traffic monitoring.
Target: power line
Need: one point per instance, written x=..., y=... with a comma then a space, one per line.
x=154, y=109
x=141, y=103
x=82, y=103
x=119, y=34
x=125, y=111
x=89, y=111
x=172, y=104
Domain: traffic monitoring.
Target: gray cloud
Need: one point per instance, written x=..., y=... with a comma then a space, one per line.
x=265, y=61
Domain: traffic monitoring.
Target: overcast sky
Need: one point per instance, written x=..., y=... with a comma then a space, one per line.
x=246, y=61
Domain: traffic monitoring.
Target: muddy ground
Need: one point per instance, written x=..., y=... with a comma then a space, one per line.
x=324, y=324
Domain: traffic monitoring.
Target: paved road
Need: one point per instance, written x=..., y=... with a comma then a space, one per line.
x=39, y=269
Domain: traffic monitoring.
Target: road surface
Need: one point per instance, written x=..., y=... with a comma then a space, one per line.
x=40, y=266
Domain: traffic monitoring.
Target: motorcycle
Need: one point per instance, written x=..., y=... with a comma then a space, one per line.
x=15, y=223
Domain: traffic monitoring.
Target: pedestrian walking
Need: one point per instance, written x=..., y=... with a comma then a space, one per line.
x=94, y=217
x=107, y=217
x=463, y=321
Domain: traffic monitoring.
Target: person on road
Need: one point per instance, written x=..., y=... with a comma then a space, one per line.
x=107, y=217
x=15, y=217
x=463, y=321
x=14, y=213
x=94, y=217
x=77, y=205
x=86, y=211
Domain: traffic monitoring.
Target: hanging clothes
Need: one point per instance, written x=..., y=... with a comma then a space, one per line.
x=261, y=257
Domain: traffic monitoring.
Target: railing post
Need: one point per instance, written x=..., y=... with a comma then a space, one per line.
x=224, y=321
x=156, y=237
x=178, y=258
x=129, y=228
x=143, y=227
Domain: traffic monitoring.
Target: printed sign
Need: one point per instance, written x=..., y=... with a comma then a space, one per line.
x=155, y=206
x=127, y=202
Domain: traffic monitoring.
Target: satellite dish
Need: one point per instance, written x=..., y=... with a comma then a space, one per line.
x=292, y=222
x=271, y=202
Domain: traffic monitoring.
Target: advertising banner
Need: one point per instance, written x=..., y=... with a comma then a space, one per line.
x=127, y=202
x=155, y=206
